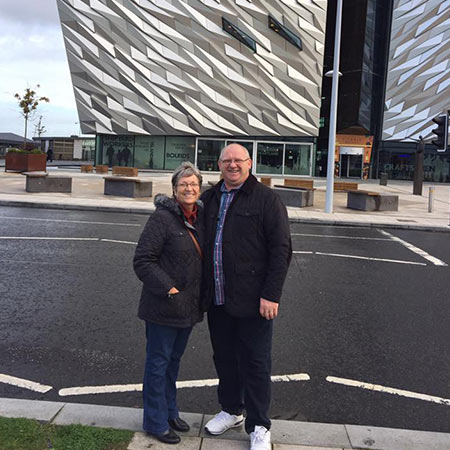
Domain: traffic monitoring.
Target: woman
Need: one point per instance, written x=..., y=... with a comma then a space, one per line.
x=168, y=262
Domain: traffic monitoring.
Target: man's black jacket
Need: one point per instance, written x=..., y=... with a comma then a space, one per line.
x=256, y=247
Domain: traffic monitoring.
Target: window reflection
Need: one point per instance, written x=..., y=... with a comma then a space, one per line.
x=297, y=159
x=269, y=158
x=208, y=152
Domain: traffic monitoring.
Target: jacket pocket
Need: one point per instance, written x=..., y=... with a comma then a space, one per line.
x=175, y=307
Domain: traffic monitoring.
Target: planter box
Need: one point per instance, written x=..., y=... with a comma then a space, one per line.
x=23, y=162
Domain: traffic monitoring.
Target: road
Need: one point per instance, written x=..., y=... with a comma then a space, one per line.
x=361, y=306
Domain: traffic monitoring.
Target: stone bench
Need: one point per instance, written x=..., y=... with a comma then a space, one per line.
x=128, y=187
x=372, y=201
x=125, y=171
x=295, y=196
x=299, y=183
x=43, y=182
x=345, y=186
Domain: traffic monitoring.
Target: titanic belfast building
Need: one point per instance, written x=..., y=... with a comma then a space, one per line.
x=164, y=81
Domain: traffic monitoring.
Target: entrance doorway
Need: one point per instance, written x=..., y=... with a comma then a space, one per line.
x=351, y=162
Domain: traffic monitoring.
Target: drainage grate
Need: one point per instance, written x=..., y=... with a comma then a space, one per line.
x=406, y=220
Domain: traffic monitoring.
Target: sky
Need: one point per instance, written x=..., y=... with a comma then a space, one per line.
x=32, y=52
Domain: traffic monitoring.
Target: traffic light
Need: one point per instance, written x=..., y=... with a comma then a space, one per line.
x=441, y=132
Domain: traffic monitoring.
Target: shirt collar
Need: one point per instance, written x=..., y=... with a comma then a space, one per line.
x=223, y=188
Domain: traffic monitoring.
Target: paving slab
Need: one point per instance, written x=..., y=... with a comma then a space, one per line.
x=142, y=441
x=301, y=447
x=378, y=438
x=309, y=433
x=100, y=416
x=217, y=444
x=29, y=409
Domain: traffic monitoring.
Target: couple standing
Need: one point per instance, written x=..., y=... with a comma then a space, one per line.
x=227, y=255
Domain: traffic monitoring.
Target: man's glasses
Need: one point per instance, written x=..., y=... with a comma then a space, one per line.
x=186, y=185
x=238, y=162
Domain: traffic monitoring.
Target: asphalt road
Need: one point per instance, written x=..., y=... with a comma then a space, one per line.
x=68, y=319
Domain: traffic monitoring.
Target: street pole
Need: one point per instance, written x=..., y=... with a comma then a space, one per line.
x=333, y=111
x=418, y=167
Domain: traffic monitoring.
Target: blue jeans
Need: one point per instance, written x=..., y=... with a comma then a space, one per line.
x=165, y=347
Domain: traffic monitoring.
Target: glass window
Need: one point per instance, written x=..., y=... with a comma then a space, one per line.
x=149, y=152
x=238, y=34
x=179, y=149
x=269, y=158
x=297, y=159
x=247, y=144
x=208, y=152
x=118, y=150
x=285, y=32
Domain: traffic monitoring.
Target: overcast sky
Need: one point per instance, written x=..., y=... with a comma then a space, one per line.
x=32, y=52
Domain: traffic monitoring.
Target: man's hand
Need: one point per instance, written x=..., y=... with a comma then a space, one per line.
x=173, y=291
x=268, y=309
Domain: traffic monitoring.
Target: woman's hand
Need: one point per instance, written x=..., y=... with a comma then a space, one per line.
x=173, y=290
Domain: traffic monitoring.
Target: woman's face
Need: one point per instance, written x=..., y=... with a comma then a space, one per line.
x=187, y=191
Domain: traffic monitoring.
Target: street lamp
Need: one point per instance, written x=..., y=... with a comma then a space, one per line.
x=333, y=111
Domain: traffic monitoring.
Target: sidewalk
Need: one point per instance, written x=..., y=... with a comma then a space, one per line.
x=286, y=435
x=87, y=194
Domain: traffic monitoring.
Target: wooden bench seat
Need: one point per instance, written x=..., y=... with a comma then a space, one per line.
x=345, y=186
x=87, y=168
x=299, y=182
x=101, y=169
x=125, y=171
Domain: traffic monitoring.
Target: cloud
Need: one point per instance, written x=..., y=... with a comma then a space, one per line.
x=31, y=42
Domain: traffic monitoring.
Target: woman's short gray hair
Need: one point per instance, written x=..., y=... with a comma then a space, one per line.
x=186, y=169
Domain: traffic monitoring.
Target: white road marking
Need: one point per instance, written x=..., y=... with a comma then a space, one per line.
x=26, y=384
x=118, y=242
x=419, y=251
x=73, y=221
x=363, y=257
x=342, y=237
x=44, y=238
x=87, y=390
x=388, y=390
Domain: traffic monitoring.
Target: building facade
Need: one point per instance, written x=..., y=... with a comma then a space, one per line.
x=163, y=81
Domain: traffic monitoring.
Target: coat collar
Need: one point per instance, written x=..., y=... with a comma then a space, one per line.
x=247, y=187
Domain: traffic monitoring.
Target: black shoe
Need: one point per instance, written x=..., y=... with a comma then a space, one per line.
x=169, y=437
x=179, y=424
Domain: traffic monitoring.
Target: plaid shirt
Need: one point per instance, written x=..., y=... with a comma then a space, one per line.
x=219, y=277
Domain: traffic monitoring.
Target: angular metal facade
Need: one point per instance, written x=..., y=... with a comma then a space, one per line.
x=418, y=83
x=166, y=67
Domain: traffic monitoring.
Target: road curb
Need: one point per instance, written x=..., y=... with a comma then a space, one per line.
x=149, y=210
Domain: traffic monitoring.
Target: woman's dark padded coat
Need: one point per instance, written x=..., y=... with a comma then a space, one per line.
x=166, y=257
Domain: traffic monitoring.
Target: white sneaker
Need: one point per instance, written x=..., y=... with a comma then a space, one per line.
x=222, y=422
x=260, y=439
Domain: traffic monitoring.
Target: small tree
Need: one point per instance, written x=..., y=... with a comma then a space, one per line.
x=28, y=104
x=39, y=129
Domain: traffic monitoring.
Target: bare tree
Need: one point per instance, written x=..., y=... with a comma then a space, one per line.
x=39, y=129
x=28, y=104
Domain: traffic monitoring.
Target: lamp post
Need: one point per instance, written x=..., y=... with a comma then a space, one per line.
x=333, y=111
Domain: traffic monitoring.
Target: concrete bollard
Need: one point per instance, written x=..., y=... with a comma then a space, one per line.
x=430, y=199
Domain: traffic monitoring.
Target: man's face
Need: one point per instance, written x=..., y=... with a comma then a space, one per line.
x=235, y=165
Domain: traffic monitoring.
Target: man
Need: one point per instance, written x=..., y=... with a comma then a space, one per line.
x=247, y=254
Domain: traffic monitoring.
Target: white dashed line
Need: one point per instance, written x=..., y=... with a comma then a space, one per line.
x=420, y=252
x=118, y=242
x=74, y=221
x=388, y=390
x=43, y=238
x=362, y=257
x=342, y=237
x=26, y=384
x=211, y=382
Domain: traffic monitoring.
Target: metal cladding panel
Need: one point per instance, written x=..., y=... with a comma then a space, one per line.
x=418, y=82
x=166, y=67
